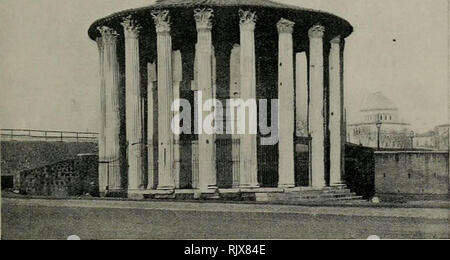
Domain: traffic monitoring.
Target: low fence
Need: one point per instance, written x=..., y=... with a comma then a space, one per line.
x=47, y=135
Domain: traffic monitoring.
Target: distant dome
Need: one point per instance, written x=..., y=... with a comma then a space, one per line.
x=377, y=101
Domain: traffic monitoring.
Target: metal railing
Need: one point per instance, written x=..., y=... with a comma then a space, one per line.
x=47, y=135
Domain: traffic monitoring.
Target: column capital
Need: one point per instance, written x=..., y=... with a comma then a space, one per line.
x=336, y=40
x=247, y=19
x=108, y=34
x=285, y=26
x=317, y=31
x=162, y=20
x=131, y=27
x=203, y=18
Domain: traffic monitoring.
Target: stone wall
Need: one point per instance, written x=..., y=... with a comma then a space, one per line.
x=17, y=156
x=401, y=175
x=73, y=177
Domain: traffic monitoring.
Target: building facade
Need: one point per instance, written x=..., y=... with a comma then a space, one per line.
x=251, y=50
x=441, y=138
x=379, y=123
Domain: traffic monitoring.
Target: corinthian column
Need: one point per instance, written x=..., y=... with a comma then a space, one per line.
x=317, y=118
x=112, y=127
x=286, y=104
x=248, y=146
x=102, y=167
x=206, y=141
x=135, y=137
x=165, y=99
x=337, y=134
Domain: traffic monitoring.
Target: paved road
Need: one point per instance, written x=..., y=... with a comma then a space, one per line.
x=58, y=219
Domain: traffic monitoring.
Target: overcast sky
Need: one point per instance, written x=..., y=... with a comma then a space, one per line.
x=49, y=66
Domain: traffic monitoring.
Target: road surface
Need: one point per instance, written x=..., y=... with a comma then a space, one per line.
x=91, y=219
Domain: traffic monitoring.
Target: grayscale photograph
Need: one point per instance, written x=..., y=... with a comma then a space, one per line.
x=208, y=120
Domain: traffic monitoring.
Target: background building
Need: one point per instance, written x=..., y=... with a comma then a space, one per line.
x=426, y=141
x=441, y=140
x=436, y=139
x=379, y=113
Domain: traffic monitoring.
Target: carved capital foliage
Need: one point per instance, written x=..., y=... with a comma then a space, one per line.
x=131, y=27
x=203, y=18
x=336, y=40
x=99, y=41
x=108, y=34
x=317, y=31
x=247, y=19
x=162, y=20
x=285, y=26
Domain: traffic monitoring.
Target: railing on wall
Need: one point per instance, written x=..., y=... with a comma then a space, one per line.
x=47, y=135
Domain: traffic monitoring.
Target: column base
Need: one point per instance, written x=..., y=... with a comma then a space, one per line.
x=211, y=192
x=209, y=189
x=166, y=188
x=135, y=189
x=235, y=185
x=286, y=186
x=338, y=184
x=319, y=186
x=249, y=186
x=135, y=195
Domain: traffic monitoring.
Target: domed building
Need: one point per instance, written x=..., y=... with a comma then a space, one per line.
x=378, y=111
x=251, y=50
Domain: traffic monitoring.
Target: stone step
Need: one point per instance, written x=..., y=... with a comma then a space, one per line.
x=314, y=192
x=350, y=199
x=309, y=197
x=341, y=193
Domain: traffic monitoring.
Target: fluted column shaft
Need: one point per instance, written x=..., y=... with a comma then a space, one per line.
x=207, y=156
x=286, y=104
x=195, y=158
x=165, y=99
x=151, y=124
x=112, y=127
x=248, y=146
x=301, y=95
x=235, y=93
x=317, y=117
x=134, y=116
x=102, y=167
x=177, y=78
x=337, y=135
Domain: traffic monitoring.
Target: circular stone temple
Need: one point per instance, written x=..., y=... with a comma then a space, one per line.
x=284, y=61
